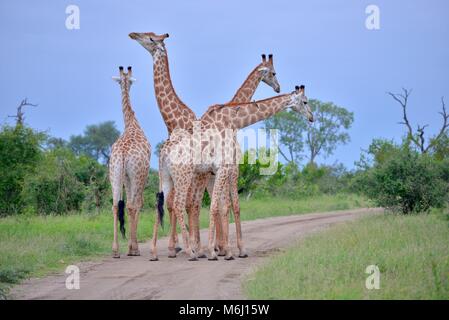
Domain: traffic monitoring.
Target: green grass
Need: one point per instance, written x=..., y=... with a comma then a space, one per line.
x=38, y=245
x=412, y=253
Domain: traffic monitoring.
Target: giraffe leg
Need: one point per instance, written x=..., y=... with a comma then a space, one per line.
x=173, y=237
x=173, y=240
x=165, y=187
x=132, y=244
x=135, y=244
x=223, y=227
x=236, y=210
x=116, y=179
x=178, y=209
x=225, y=207
x=220, y=180
x=198, y=187
x=182, y=178
x=115, y=245
x=210, y=189
x=154, y=239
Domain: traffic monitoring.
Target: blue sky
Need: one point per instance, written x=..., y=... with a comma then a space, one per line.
x=213, y=45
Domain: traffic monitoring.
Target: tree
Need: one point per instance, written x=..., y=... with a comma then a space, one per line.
x=157, y=149
x=20, y=115
x=403, y=179
x=418, y=137
x=54, y=188
x=96, y=141
x=328, y=130
x=291, y=127
x=319, y=138
x=20, y=151
x=55, y=143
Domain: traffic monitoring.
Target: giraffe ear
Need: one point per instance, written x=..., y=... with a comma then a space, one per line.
x=132, y=80
x=117, y=79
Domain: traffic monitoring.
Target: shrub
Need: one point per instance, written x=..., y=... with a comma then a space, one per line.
x=19, y=154
x=407, y=182
x=54, y=188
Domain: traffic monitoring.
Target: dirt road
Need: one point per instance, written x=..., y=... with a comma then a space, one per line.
x=138, y=278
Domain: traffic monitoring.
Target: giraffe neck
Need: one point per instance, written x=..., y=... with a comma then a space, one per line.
x=128, y=113
x=248, y=88
x=174, y=112
x=251, y=113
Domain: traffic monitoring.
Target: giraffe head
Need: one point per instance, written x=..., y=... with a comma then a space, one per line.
x=149, y=40
x=300, y=103
x=268, y=74
x=125, y=79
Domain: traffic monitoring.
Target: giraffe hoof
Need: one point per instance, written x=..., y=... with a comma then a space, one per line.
x=193, y=259
x=116, y=255
x=213, y=259
x=134, y=253
x=229, y=258
x=154, y=259
x=202, y=256
x=178, y=249
x=172, y=255
x=221, y=254
x=243, y=255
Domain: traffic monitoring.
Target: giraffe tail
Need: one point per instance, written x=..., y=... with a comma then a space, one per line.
x=121, y=217
x=160, y=207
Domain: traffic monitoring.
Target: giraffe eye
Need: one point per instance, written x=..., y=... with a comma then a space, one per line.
x=274, y=73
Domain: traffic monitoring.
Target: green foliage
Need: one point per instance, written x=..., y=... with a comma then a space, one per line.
x=319, y=138
x=95, y=178
x=96, y=141
x=54, y=188
x=19, y=154
x=292, y=182
x=404, y=180
x=249, y=172
x=441, y=147
x=151, y=188
x=292, y=127
x=157, y=149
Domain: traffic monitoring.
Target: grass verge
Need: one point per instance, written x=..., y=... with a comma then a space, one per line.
x=37, y=245
x=412, y=253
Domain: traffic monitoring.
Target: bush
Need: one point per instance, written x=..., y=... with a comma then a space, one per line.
x=19, y=154
x=407, y=182
x=151, y=188
x=54, y=188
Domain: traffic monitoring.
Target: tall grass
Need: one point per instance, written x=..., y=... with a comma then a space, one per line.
x=37, y=245
x=412, y=253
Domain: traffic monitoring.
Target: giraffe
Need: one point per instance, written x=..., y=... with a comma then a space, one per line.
x=221, y=118
x=177, y=165
x=266, y=73
x=128, y=167
x=175, y=113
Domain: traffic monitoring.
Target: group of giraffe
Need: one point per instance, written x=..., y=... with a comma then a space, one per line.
x=184, y=171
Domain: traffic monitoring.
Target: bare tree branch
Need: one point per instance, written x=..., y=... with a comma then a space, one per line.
x=402, y=99
x=419, y=139
x=20, y=116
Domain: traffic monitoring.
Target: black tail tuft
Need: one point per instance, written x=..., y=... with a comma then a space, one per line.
x=160, y=206
x=121, y=217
